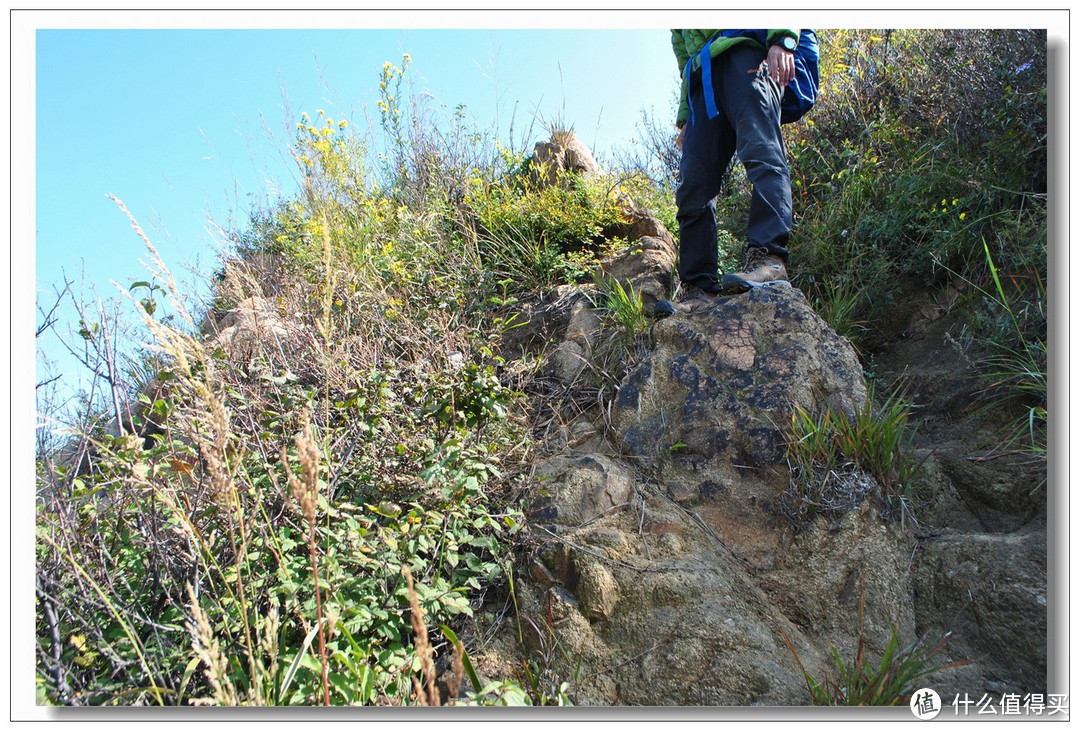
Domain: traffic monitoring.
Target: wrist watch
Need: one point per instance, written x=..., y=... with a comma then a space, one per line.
x=787, y=43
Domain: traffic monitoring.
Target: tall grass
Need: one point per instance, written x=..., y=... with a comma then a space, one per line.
x=1012, y=331
x=828, y=449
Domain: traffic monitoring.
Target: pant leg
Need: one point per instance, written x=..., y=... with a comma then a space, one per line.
x=707, y=149
x=751, y=101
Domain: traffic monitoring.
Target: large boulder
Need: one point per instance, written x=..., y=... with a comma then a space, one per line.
x=709, y=408
x=649, y=606
x=665, y=575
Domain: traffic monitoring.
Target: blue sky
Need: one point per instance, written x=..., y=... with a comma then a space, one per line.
x=189, y=127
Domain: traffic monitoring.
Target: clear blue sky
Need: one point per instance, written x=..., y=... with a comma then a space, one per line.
x=178, y=123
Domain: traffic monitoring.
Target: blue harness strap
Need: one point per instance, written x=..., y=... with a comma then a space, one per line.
x=706, y=81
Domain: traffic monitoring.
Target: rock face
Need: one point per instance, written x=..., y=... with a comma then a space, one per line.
x=659, y=611
x=710, y=405
x=667, y=570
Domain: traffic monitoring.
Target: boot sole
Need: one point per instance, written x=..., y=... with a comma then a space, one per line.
x=664, y=308
x=732, y=284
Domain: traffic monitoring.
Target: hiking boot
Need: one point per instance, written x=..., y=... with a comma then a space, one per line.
x=688, y=299
x=762, y=268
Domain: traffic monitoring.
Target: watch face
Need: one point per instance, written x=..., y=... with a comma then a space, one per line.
x=789, y=43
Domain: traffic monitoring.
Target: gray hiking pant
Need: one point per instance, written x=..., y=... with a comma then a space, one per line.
x=748, y=124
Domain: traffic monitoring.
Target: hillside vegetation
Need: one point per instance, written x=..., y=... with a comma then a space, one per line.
x=331, y=512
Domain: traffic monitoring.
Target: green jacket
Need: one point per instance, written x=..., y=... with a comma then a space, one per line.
x=688, y=42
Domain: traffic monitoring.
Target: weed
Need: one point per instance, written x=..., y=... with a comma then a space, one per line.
x=626, y=309
x=828, y=450
x=889, y=682
x=839, y=302
x=541, y=672
x=1015, y=367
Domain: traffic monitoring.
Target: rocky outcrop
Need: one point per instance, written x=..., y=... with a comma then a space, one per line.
x=709, y=408
x=252, y=324
x=658, y=610
x=563, y=153
x=645, y=266
x=667, y=571
x=664, y=571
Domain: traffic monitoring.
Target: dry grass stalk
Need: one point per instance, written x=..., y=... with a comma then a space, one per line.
x=306, y=493
x=209, y=652
x=428, y=696
x=458, y=667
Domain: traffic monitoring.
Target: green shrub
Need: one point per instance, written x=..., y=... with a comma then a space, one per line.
x=894, y=173
x=538, y=234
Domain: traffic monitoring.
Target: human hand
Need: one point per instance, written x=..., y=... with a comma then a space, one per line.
x=781, y=65
x=681, y=137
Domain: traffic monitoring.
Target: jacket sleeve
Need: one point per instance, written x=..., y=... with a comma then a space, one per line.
x=678, y=45
x=686, y=42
